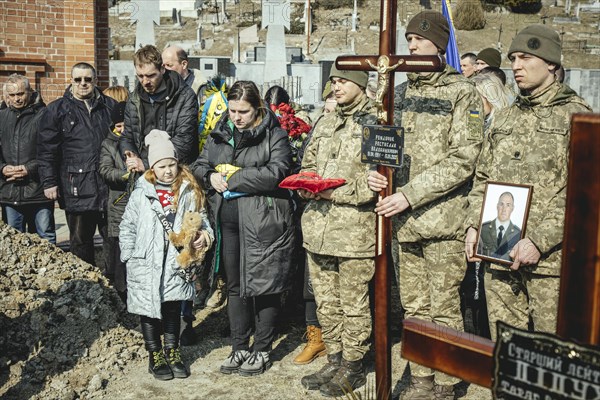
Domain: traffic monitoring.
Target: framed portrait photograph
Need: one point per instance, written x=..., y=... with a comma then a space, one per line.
x=503, y=220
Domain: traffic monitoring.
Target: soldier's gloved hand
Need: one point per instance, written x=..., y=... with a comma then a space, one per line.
x=376, y=181
x=524, y=252
x=470, y=245
x=392, y=205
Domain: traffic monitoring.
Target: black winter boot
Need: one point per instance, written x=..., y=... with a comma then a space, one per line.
x=350, y=376
x=188, y=334
x=158, y=366
x=325, y=374
x=173, y=357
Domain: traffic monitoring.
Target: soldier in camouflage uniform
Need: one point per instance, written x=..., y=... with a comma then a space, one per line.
x=338, y=226
x=442, y=116
x=529, y=144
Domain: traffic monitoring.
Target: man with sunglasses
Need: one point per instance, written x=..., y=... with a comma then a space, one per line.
x=69, y=140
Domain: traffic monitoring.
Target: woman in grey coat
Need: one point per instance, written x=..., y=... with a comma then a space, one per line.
x=156, y=284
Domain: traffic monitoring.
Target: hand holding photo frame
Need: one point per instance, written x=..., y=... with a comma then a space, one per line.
x=503, y=220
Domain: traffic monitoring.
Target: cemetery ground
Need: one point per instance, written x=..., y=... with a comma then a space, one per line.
x=64, y=334
x=332, y=36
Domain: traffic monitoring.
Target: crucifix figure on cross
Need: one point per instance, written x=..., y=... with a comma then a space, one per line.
x=383, y=69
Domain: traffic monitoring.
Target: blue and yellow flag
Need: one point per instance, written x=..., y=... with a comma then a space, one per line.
x=212, y=109
x=452, y=56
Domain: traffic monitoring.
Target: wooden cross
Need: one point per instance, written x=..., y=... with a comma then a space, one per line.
x=381, y=64
x=469, y=357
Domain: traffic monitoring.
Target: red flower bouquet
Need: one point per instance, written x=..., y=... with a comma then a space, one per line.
x=296, y=128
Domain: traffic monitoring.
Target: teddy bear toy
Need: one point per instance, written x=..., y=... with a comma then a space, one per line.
x=190, y=226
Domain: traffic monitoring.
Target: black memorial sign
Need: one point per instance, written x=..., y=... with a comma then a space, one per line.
x=383, y=144
x=540, y=366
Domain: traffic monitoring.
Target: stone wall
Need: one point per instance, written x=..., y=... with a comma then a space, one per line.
x=43, y=39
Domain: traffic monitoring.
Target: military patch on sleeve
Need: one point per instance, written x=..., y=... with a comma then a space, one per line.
x=475, y=125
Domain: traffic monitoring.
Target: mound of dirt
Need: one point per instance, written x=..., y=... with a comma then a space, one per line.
x=64, y=332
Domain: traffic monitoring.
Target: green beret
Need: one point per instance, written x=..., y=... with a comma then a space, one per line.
x=359, y=77
x=491, y=57
x=539, y=40
x=431, y=25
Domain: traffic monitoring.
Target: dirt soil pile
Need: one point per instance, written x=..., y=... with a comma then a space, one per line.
x=63, y=330
x=64, y=334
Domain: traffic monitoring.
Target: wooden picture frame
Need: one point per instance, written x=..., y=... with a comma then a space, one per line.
x=505, y=205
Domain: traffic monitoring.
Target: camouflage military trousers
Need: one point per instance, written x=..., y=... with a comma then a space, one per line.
x=516, y=296
x=429, y=277
x=341, y=287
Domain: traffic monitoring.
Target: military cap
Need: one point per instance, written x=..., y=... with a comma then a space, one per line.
x=540, y=41
x=358, y=77
x=431, y=25
x=491, y=57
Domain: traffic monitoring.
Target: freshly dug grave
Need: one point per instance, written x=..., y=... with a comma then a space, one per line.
x=64, y=334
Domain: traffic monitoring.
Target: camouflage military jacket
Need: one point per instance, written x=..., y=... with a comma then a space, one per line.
x=529, y=144
x=344, y=226
x=442, y=116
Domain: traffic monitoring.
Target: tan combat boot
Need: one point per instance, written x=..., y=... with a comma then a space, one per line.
x=313, y=349
x=421, y=388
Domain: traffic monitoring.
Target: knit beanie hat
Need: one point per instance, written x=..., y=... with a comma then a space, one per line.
x=491, y=57
x=540, y=41
x=431, y=25
x=326, y=90
x=159, y=146
x=117, y=114
x=358, y=77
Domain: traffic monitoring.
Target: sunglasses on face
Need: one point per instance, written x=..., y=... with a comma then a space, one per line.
x=86, y=79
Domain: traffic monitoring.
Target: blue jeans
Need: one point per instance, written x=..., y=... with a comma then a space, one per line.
x=39, y=215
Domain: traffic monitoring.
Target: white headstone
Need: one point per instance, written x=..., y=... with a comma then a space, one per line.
x=275, y=62
x=275, y=12
x=145, y=14
x=401, y=49
x=249, y=34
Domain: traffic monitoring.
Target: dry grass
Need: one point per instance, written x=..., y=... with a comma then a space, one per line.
x=469, y=15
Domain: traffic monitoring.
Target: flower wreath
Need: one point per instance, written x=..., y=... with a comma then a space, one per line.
x=296, y=128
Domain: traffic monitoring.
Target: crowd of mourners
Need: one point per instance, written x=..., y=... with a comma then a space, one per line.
x=181, y=178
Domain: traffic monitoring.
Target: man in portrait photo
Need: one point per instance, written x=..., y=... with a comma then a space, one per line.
x=500, y=235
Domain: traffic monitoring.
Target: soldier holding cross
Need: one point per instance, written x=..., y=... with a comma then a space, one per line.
x=442, y=116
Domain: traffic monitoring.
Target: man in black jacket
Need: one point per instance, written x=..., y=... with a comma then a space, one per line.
x=21, y=192
x=161, y=100
x=69, y=141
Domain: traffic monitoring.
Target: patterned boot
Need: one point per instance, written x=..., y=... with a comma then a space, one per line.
x=325, y=374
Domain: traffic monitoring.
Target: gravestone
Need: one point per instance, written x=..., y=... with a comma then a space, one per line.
x=275, y=12
x=275, y=60
x=249, y=34
x=401, y=48
x=145, y=15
